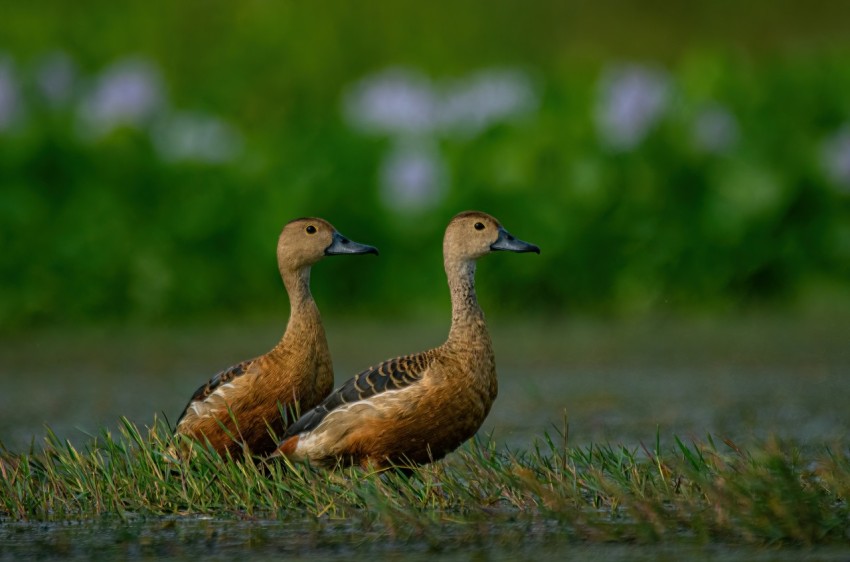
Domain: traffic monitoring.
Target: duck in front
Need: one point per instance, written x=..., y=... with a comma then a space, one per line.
x=415, y=409
x=244, y=409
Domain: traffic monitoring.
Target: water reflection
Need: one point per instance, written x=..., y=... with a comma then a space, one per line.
x=192, y=538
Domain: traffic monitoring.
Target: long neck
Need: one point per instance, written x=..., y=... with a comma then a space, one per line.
x=304, y=319
x=468, y=325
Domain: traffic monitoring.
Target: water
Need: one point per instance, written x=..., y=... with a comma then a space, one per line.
x=614, y=382
x=209, y=539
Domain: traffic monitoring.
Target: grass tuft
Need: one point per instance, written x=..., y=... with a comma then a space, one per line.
x=774, y=493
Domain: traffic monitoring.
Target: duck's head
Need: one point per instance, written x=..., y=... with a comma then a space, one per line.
x=304, y=242
x=473, y=234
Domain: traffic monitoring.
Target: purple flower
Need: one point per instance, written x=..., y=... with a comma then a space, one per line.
x=632, y=100
x=403, y=102
x=404, y=105
x=476, y=102
x=196, y=137
x=835, y=157
x=397, y=101
x=129, y=93
x=715, y=130
x=413, y=177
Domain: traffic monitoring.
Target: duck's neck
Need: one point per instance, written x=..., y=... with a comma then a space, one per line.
x=304, y=320
x=468, y=327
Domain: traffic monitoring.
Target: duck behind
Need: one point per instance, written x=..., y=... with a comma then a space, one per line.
x=417, y=408
x=240, y=408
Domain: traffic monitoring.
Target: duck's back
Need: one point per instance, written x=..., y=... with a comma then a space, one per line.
x=251, y=404
x=408, y=410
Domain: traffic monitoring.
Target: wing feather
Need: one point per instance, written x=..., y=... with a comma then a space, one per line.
x=393, y=374
x=218, y=381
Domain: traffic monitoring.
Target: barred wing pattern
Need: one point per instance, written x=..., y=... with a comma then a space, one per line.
x=205, y=390
x=393, y=374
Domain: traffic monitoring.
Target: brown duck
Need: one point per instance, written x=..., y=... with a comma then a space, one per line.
x=240, y=408
x=416, y=409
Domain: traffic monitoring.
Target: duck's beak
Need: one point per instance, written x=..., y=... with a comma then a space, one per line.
x=342, y=245
x=507, y=242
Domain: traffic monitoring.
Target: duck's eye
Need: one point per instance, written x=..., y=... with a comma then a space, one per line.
x=311, y=229
x=479, y=226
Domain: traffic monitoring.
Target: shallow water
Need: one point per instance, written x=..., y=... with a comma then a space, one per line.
x=617, y=382
x=209, y=539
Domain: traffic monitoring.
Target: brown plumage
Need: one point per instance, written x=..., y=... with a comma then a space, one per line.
x=415, y=409
x=241, y=407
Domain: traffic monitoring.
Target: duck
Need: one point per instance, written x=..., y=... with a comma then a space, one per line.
x=415, y=409
x=245, y=408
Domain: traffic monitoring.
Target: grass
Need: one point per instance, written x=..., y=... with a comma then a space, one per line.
x=775, y=493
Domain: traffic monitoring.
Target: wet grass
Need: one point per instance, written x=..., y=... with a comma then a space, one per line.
x=773, y=493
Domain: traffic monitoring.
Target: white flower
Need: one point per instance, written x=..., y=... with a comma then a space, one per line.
x=472, y=104
x=129, y=93
x=715, y=130
x=196, y=137
x=413, y=177
x=835, y=157
x=10, y=97
x=55, y=77
x=632, y=100
x=397, y=101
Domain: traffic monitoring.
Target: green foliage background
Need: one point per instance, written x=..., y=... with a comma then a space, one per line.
x=107, y=230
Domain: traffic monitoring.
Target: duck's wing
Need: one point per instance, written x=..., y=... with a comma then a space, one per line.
x=393, y=374
x=217, y=385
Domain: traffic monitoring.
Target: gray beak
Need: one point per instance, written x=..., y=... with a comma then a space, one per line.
x=342, y=245
x=507, y=242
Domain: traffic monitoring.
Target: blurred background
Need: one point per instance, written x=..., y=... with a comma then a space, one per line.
x=672, y=160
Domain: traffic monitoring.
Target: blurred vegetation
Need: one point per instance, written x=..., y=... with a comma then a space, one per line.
x=105, y=228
